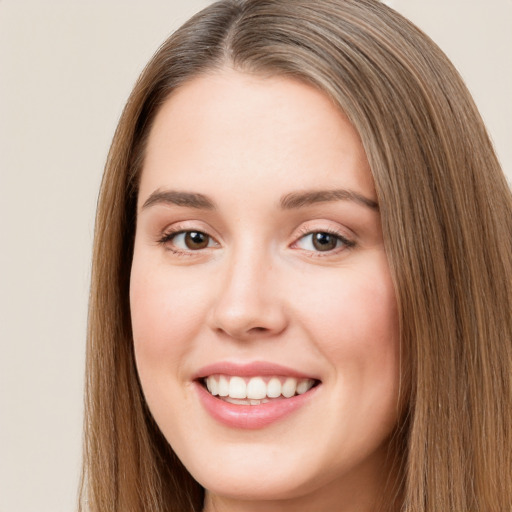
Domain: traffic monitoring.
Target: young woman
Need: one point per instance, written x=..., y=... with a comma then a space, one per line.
x=301, y=294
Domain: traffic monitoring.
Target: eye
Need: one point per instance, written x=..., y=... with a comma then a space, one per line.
x=188, y=241
x=323, y=241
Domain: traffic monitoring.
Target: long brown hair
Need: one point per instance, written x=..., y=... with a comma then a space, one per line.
x=446, y=213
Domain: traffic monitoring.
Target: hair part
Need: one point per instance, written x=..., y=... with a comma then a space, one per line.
x=446, y=213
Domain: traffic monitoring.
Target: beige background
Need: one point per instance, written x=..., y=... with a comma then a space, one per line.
x=66, y=68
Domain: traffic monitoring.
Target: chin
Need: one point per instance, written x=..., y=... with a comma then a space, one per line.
x=267, y=482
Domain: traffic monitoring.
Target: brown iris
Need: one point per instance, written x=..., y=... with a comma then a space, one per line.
x=324, y=241
x=195, y=240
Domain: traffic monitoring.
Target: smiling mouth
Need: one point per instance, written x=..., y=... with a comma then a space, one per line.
x=256, y=390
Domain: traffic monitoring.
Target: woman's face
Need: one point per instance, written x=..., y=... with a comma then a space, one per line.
x=259, y=268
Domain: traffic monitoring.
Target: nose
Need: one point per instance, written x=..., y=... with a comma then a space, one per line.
x=249, y=302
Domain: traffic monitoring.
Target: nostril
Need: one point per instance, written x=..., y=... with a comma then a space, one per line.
x=258, y=329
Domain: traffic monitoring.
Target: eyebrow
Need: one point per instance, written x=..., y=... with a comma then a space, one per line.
x=289, y=201
x=310, y=197
x=187, y=199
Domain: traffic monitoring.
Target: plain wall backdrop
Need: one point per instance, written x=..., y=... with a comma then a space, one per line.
x=66, y=70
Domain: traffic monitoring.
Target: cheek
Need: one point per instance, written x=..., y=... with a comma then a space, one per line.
x=166, y=314
x=354, y=321
x=356, y=327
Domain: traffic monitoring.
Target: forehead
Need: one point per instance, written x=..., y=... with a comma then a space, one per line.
x=243, y=130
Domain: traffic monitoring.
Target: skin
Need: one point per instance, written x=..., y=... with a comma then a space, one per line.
x=261, y=291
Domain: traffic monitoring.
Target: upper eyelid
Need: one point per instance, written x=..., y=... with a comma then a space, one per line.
x=185, y=226
x=313, y=227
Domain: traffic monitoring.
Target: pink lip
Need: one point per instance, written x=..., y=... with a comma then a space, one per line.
x=256, y=368
x=251, y=416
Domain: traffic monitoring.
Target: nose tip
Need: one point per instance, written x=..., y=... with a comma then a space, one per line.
x=243, y=321
x=248, y=306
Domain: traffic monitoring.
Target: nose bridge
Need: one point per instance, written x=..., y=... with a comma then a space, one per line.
x=247, y=303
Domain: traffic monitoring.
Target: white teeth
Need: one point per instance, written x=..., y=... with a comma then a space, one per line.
x=256, y=390
x=237, y=388
x=274, y=388
x=238, y=401
x=289, y=387
x=258, y=402
x=223, y=386
x=212, y=386
x=304, y=385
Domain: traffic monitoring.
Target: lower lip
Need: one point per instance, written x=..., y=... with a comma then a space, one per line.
x=251, y=416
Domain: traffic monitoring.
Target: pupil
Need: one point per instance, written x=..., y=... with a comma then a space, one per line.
x=324, y=241
x=196, y=240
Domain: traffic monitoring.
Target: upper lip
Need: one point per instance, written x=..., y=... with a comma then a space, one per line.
x=252, y=369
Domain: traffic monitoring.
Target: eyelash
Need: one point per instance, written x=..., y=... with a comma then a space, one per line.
x=168, y=236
